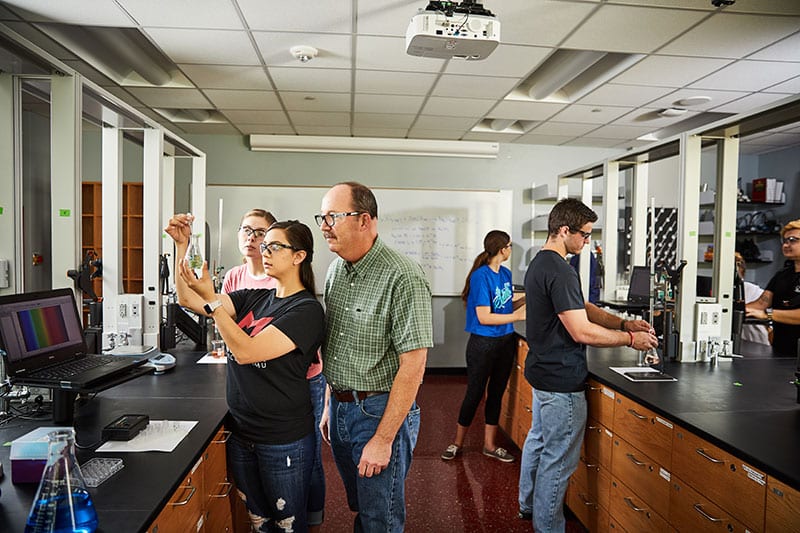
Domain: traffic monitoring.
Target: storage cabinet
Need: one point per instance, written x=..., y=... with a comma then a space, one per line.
x=783, y=508
x=644, y=429
x=515, y=409
x=690, y=511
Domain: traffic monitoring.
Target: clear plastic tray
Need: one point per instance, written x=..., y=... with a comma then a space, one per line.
x=98, y=469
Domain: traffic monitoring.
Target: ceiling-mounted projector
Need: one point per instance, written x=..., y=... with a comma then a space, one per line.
x=448, y=30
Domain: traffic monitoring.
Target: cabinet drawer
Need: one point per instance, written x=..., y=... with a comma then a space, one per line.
x=590, y=514
x=689, y=511
x=524, y=411
x=184, y=510
x=597, y=444
x=648, y=432
x=631, y=512
x=783, y=508
x=593, y=482
x=600, y=400
x=522, y=352
x=647, y=478
x=733, y=485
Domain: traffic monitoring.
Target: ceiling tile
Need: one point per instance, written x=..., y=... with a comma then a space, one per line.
x=255, y=117
x=325, y=16
x=379, y=132
x=338, y=131
x=374, y=103
x=430, y=122
x=385, y=82
x=174, y=98
x=669, y=71
x=506, y=60
x=457, y=107
x=792, y=87
x=333, y=50
x=102, y=12
x=312, y=118
x=389, y=53
x=785, y=50
x=624, y=95
x=314, y=79
x=589, y=114
x=385, y=17
x=215, y=47
x=184, y=13
x=717, y=98
x=473, y=86
x=610, y=28
x=266, y=129
x=563, y=128
x=448, y=135
x=214, y=129
x=613, y=131
x=592, y=141
x=532, y=138
x=750, y=103
x=522, y=110
x=538, y=22
x=721, y=35
x=492, y=137
x=311, y=101
x=230, y=99
x=382, y=120
x=651, y=119
x=749, y=75
x=226, y=77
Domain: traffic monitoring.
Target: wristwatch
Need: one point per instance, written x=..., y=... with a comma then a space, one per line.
x=210, y=307
x=769, y=316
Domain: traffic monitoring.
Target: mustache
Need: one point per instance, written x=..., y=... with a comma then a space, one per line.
x=327, y=234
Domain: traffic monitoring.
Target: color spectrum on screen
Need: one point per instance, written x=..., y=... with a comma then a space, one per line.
x=42, y=327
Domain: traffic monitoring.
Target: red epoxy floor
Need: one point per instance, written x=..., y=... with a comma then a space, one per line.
x=471, y=493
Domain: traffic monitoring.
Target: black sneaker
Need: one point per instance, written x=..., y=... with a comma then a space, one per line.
x=450, y=452
x=500, y=454
x=525, y=515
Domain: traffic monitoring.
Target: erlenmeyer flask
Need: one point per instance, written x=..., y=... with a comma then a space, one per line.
x=62, y=503
x=194, y=256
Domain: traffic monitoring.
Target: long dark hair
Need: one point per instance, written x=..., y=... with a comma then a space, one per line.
x=300, y=237
x=494, y=241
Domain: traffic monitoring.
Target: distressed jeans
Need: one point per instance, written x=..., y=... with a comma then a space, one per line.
x=379, y=501
x=316, y=496
x=274, y=480
x=550, y=456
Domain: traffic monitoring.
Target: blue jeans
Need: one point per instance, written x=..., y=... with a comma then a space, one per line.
x=379, y=501
x=316, y=496
x=274, y=481
x=550, y=455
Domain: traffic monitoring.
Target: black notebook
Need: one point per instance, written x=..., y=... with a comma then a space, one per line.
x=42, y=343
x=648, y=376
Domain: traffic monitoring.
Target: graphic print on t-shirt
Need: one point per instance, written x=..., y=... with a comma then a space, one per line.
x=502, y=296
x=253, y=326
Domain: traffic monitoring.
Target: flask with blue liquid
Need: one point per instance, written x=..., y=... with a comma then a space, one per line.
x=62, y=503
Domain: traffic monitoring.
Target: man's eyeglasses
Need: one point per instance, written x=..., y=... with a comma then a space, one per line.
x=584, y=234
x=270, y=248
x=330, y=218
x=259, y=233
x=790, y=240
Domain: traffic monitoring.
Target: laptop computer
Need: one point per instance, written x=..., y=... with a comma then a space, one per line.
x=42, y=343
x=639, y=288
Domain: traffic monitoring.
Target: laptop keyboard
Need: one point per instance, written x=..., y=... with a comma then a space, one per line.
x=67, y=370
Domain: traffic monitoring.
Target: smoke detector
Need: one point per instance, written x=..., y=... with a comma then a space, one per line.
x=672, y=112
x=304, y=53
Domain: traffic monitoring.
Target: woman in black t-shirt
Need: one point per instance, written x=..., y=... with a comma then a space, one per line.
x=272, y=336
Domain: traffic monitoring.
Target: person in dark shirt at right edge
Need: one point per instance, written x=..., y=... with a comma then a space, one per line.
x=783, y=296
x=559, y=325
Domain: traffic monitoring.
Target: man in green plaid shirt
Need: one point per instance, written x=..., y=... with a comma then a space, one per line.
x=378, y=331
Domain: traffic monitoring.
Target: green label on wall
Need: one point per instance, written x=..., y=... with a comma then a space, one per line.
x=1, y=210
x=64, y=212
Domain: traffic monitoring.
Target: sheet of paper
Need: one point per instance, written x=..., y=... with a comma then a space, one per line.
x=623, y=369
x=209, y=359
x=158, y=436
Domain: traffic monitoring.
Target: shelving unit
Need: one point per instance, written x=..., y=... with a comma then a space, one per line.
x=132, y=232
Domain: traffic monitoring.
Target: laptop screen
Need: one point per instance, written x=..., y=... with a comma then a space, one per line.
x=40, y=328
x=639, y=290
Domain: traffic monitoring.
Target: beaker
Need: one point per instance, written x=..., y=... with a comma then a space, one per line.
x=194, y=256
x=62, y=503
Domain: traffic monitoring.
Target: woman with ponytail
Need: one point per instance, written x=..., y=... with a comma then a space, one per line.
x=491, y=312
x=273, y=335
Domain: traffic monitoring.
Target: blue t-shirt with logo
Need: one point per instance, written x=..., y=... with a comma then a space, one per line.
x=488, y=288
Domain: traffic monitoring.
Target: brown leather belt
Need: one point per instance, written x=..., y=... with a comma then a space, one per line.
x=354, y=395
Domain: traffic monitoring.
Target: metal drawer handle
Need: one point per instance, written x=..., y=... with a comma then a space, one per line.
x=634, y=461
x=586, y=502
x=228, y=486
x=704, y=454
x=637, y=415
x=633, y=506
x=595, y=428
x=594, y=388
x=224, y=440
x=593, y=466
x=699, y=509
x=192, y=490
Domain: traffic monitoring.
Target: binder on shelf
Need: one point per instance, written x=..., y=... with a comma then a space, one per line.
x=759, y=190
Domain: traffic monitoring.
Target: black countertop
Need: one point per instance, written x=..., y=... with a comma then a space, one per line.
x=131, y=498
x=747, y=406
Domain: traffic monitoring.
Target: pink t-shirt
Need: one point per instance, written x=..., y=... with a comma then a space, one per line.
x=239, y=278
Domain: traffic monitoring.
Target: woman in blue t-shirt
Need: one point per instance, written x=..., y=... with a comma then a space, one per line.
x=491, y=312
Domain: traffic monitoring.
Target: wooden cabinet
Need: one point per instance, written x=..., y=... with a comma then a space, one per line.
x=632, y=512
x=690, y=511
x=735, y=486
x=648, y=432
x=648, y=479
x=515, y=410
x=204, y=499
x=600, y=401
x=783, y=508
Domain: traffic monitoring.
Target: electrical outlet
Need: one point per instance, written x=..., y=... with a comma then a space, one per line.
x=715, y=318
x=134, y=310
x=123, y=310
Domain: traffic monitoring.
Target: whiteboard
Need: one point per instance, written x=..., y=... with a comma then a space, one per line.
x=442, y=230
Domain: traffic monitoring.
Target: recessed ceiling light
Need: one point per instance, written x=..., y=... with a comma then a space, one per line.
x=693, y=100
x=672, y=112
